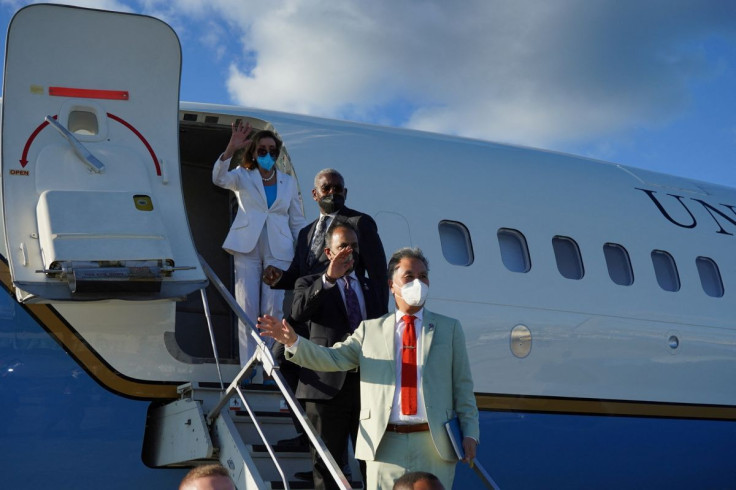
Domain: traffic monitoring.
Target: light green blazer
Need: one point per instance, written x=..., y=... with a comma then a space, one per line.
x=446, y=379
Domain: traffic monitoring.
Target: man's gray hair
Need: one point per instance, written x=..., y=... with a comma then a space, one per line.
x=327, y=171
x=405, y=253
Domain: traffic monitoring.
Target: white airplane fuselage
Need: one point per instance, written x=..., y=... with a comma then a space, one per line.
x=597, y=301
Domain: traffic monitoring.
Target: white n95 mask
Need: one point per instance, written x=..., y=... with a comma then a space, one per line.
x=414, y=293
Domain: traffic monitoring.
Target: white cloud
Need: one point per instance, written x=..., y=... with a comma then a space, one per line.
x=527, y=71
x=530, y=71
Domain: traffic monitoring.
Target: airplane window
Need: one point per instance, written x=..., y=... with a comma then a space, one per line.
x=619, y=265
x=83, y=122
x=710, y=277
x=569, y=260
x=514, y=250
x=666, y=270
x=456, y=245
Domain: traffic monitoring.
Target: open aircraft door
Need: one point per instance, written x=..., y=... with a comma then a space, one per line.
x=91, y=191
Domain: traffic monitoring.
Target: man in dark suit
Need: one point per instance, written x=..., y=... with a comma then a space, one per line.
x=332, y=305
x=309, y=257
x=415, y=374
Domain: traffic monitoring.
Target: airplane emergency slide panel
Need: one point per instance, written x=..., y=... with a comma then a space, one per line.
x=91, y=191
x=103, y=241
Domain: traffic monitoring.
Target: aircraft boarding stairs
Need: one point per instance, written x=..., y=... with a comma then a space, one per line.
x=202, y=426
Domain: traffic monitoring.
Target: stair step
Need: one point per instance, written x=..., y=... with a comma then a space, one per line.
x=305, y=485
x=261, y=387
x=296, y=485
x=237, y=428
x=259, y=449
x=291, y=463
x=237, y=414
x=275, y=427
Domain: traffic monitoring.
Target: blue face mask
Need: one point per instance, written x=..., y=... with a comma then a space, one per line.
x=266, y=162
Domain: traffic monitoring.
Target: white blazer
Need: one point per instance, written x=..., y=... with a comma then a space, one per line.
x=283, y=219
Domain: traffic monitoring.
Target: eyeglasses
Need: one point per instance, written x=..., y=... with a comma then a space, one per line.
x=336, y=188
x=262, y=152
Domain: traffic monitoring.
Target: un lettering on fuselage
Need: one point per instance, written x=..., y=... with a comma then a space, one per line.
x=719, y=216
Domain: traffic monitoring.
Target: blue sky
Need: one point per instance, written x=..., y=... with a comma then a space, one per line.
x=648, y=84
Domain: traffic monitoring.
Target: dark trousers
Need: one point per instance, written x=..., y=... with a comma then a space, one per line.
x=335, y=420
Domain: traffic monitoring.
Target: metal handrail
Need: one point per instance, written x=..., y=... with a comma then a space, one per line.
x=263, y=437
x=481, y=472
x=208, y=316
x=271, y=367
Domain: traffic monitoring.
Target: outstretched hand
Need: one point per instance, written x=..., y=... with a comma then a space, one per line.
x=239, y=138
x=279, y=331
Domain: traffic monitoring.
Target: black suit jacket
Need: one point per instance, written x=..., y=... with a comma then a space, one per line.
x=371, y=259
x=324, y=312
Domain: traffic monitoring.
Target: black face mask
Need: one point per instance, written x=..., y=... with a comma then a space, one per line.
x=333, y=202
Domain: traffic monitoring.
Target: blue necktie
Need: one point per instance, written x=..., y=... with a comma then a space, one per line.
x=352, y=305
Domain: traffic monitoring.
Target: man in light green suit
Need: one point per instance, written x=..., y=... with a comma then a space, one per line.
x=405, y=401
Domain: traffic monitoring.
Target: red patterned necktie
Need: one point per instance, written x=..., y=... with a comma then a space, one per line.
x=409, y=367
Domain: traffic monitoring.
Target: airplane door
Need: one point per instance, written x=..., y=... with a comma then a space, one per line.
x=91, y=191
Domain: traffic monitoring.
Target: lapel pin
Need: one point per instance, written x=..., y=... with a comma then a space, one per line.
x=431, y=327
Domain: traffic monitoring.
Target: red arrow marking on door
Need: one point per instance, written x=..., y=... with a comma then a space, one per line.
x=24, y=157
x=137, y=133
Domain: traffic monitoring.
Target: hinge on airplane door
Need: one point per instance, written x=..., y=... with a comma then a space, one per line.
x=134, y=276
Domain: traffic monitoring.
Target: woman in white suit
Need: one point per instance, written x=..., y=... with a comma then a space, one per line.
x=265, y=228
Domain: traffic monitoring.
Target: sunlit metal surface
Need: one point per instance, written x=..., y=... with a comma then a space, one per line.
x=521, y=341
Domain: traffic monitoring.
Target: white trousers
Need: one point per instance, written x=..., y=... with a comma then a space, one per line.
x=252, y=294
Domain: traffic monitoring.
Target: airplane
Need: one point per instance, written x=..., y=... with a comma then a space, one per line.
x=597, y=299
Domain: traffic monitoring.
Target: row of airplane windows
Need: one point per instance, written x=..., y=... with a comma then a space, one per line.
x=457, y=249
